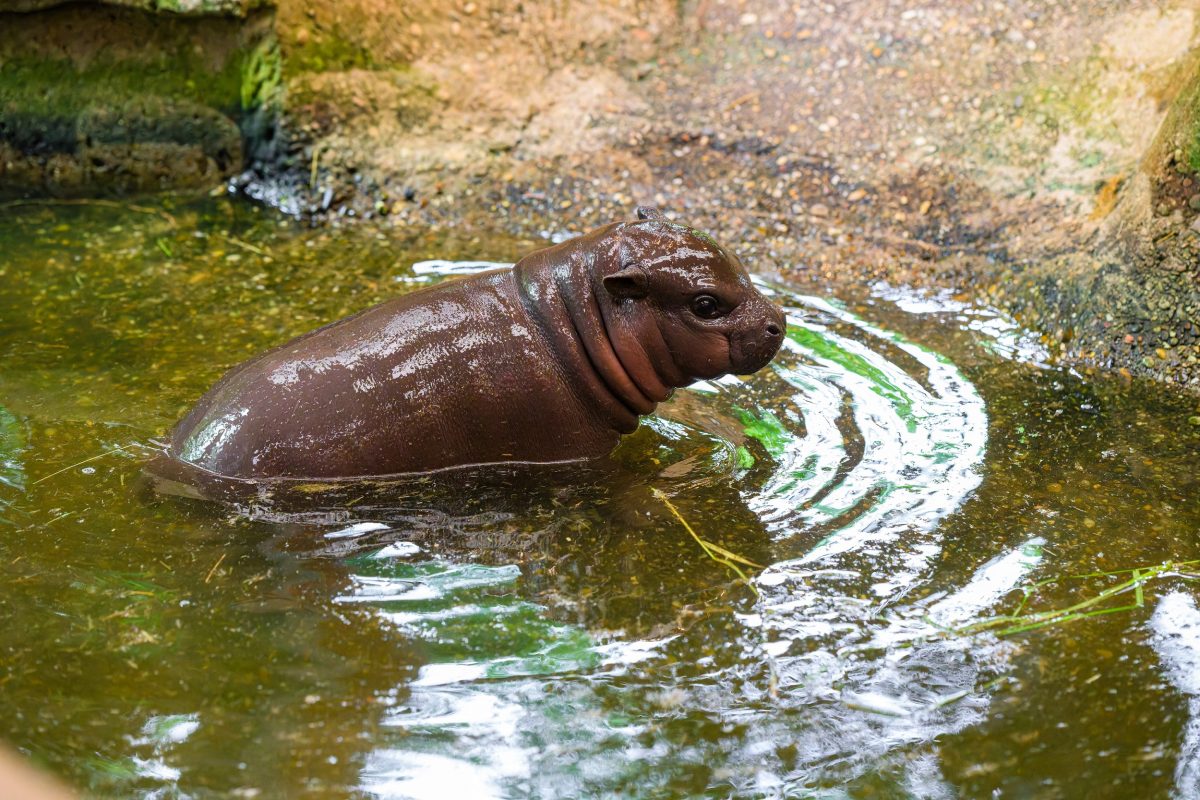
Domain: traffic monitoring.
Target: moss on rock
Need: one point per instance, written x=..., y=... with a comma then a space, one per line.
x=100, y=99
x=194, y=8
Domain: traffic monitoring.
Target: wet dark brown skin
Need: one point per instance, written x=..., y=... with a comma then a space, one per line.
x=552, y=360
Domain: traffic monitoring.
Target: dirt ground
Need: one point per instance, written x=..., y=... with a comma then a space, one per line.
x=990, y=147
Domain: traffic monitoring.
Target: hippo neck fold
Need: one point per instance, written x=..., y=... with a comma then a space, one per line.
x=625, y=369
x=564, y=303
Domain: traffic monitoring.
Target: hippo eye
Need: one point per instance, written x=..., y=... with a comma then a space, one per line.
x=706, y=306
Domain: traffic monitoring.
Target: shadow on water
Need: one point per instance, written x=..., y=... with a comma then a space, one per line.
x=571, y=531
x=559, y=631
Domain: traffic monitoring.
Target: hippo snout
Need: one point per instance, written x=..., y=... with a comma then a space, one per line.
x=758, y=342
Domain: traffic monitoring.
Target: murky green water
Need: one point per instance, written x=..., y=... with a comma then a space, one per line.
x=906, y=471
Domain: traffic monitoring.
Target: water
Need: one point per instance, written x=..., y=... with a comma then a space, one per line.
x=908, y=468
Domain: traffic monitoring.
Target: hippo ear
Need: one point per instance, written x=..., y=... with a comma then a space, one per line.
x=648, y=212
x=629, y=283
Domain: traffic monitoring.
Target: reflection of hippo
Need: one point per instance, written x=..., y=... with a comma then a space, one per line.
x=549, y=361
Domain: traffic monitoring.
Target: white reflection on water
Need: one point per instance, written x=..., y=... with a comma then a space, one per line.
x=443, y=268
x=160, y=735
x=399, y=774
x=1176, y=638
x=922, y=442
x=999, y=333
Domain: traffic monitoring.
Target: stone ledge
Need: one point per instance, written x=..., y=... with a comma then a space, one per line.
x=187, y=8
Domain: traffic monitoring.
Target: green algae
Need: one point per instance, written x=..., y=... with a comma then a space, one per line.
x=767, y=429
x=261, y=85
x=84, y=110
x=743, y=458
x=823, y=347
x=329, y=53
x=58, y=87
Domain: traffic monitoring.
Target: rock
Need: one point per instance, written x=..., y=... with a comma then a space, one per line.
x=170, y=105
x=193, y=8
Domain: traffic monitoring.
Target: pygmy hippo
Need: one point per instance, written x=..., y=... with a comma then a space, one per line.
x=551, y=360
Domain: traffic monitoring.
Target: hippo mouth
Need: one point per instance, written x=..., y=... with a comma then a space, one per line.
x=755, y=342
x=747, y=355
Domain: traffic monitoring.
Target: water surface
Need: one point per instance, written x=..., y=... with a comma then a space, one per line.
x=907, y=469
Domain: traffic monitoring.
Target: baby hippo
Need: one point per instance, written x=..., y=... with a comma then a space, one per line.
x=551, y=360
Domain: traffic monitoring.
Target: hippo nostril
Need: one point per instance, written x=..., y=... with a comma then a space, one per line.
x=773, y=329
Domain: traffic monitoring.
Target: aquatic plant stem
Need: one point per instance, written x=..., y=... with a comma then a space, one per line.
x=715, y=552
x=91, y=201
x=213, y=571
x=246, y=246
x=117, y=449
x=1010, y=624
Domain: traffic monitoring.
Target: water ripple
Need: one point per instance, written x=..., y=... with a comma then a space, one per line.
x=849, y=451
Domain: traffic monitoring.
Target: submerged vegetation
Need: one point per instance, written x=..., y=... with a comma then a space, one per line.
x=732, y=561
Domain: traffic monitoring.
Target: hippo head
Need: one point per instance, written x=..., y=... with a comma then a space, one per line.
x=687, y=305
